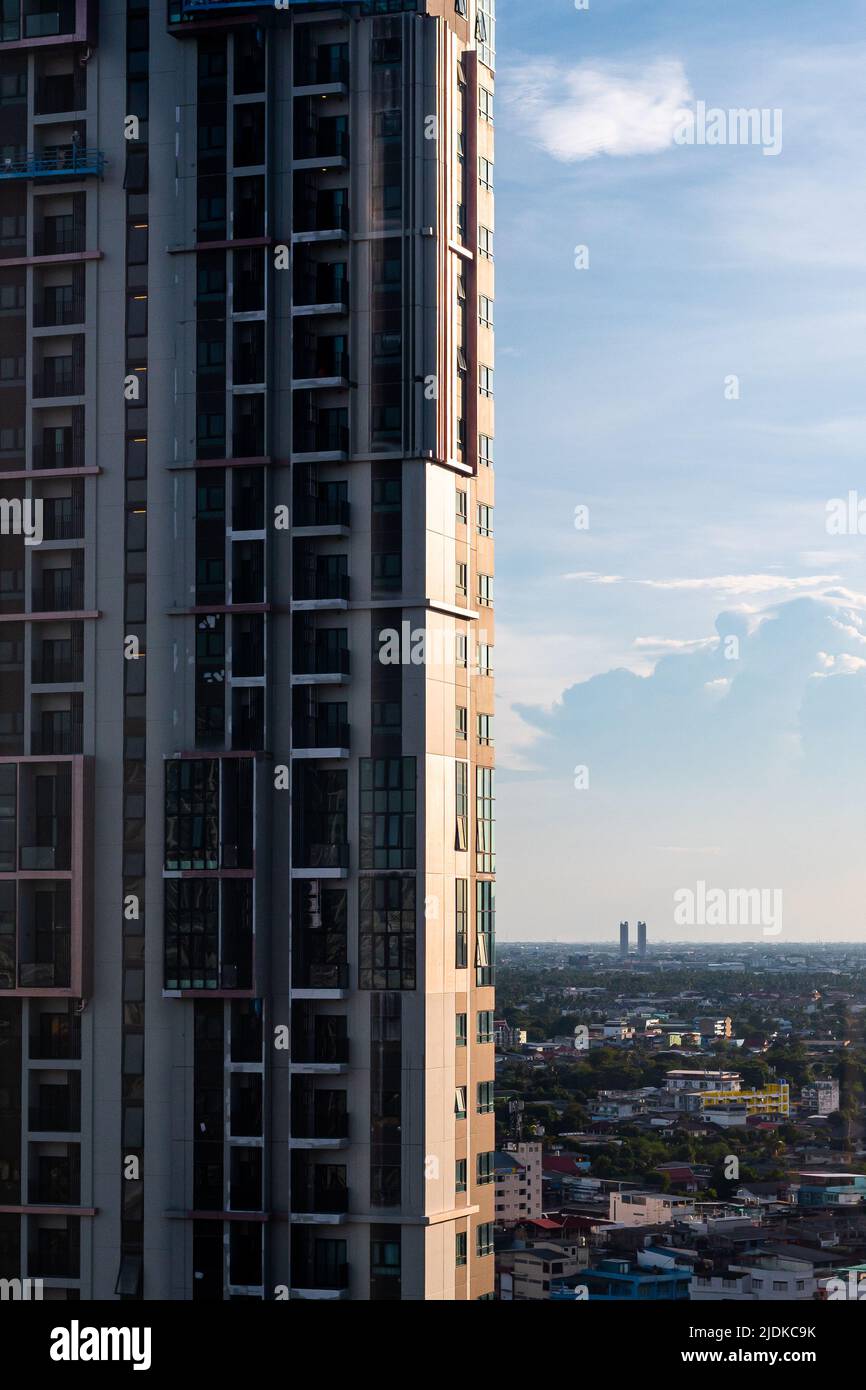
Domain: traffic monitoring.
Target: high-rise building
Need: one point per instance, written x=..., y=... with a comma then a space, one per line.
x=246, y=701
x=641, y=939
x=623, y=939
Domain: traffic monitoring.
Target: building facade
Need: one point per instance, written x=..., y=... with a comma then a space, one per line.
x=247, y=857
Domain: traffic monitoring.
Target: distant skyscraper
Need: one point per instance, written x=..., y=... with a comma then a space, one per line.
x=641, y=938
x=623, y=938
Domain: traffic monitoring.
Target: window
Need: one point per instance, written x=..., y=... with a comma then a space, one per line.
x=485, y=311
x=461, y=805
x=460, y=7
x=461, y=1030
x=461, y=955
x=484, y=1104
x=484, y=1239
x=484, y=1032
x=485, y=730
x=485, y=32
x=460, y=1175
x=460, y=1102
x=387, y=917
x=461, y=650
x=485, y=173
x=462, y=580
x=485, y=520
x=388, y=813
x=460, y=723
x=485, y=243
x=485, y=382
x=461, y=506
x=484, y=1172
x=485, y=105
x=485, y=450
x=485, y=929
x=485, y=590
x=387, y=573
x=460, y=1241
x=387, y=495
x=485, y=659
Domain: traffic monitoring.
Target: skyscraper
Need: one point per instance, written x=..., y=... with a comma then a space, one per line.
x=623, y=939
x=641, y=939
x=247, y=852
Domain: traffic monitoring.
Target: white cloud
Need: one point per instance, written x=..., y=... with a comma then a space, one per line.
x=580, y=112
x=736, y=584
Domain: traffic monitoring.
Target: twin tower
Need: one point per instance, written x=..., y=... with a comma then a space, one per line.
x=623, y=939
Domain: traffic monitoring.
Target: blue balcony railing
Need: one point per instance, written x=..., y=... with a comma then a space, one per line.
x=66, y=161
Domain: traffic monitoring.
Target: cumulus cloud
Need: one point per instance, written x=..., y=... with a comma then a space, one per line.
x=577, y=113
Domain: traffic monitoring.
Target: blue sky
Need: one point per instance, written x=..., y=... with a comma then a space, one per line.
x=708, y=515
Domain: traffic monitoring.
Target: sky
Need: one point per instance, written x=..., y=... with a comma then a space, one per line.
x=681, y=667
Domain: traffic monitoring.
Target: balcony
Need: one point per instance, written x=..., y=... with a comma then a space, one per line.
x=316, y=856
x=335, y=664
x=61, y=92
x=322, y=143
x=64, y=594
x=61, y=236
x=319, y=1119
x=57, y=737
x=63, y=518
x=324, y=219
x=320, y=977
x=310, y=1280
x=58, y=663
x=57, y=1111
x=321, y=289
x=319, y=736
x=58, y=377
x=325, y=366
x=315, y=1192
x=58, y=307
x=329, y=67
x=322, y=514
x=315, y=1050
x=51, y=853
x=322, y=437
x=323, y=589
x=67, y=453
x=59, y=162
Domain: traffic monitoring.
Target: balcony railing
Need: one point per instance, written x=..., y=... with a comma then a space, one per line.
x=319, y=733
x=52, y=975
x=54, y=741
x=314, y=290
x=321, y=975
x=63, y=518
x=325, y=1052
x=56, y=311
x=322, y=364
x=61, y=162
x=71, y=456
x=313, y=661
x=57, y=668
x=323, y=587
x=320, y=511
x=325, y=437
x=321, y=70
x=63, y=240
x=61, y=92
x=310, y=1123
x=67, y=597
x=314, y=855
x=309, y=1201
x=324, y=215
x=52, y=381
x=321, y=142
x=305, y=1276
x=57, y=1117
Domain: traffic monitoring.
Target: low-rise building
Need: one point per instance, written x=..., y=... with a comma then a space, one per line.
x=820, y=1098
x=517, y=1174
x=647, y=1208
